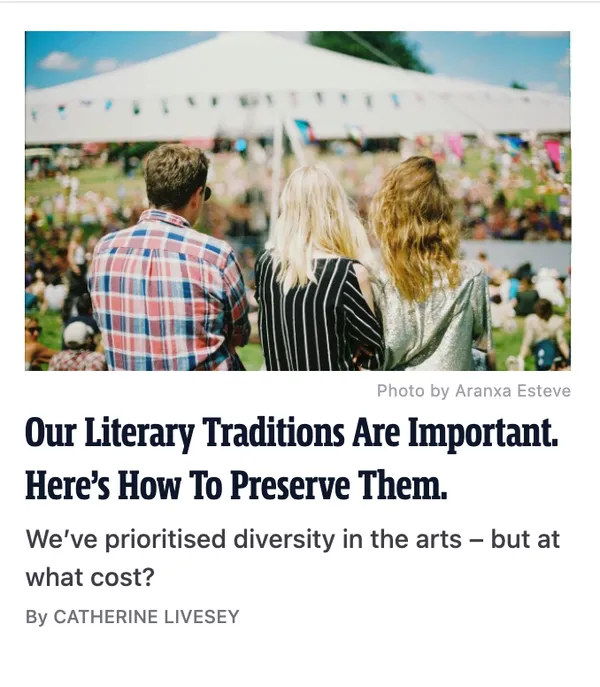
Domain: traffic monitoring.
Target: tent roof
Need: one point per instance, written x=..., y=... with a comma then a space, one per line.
x=196, y=92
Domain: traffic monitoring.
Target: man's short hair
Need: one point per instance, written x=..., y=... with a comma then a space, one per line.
x=173, y=173
x=543, y=308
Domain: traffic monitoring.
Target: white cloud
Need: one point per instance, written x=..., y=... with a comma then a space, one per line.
x=545, y=87
x=61, y=62
x=106, y=64
x=30, y=88
x=565, y=63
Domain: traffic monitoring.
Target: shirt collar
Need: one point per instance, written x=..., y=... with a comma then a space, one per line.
x=154, y=215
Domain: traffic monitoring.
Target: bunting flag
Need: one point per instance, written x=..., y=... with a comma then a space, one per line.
x=306, y=131
x=553, y=150
x=368, y=103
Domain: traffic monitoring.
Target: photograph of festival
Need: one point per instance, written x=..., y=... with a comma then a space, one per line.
x=297, y=201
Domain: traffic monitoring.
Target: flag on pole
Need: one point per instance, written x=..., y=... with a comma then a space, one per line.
x=553, y=150
x=297, y=140
x=513, y=144
x=306, y=131
x=454, y=143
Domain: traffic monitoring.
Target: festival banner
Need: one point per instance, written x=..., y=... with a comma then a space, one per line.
x=455, y=144
x=513, y=144
x=553, y=150
x=306, y=131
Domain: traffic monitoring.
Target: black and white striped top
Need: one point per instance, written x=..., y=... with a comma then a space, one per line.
x=320, y=326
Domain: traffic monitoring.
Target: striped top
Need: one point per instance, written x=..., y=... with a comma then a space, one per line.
x=320, y=326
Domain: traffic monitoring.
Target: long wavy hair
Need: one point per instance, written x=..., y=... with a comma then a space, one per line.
x=316, y=215
x=412, y=216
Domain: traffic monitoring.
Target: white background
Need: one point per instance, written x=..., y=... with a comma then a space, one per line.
x=469, y=617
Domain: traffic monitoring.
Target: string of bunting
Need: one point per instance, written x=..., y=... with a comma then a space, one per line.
x=246, y=101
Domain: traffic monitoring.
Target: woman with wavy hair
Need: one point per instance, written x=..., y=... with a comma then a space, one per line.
x=435, y=308
x=316, y=309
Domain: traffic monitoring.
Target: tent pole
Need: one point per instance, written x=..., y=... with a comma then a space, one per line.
x=276, y=171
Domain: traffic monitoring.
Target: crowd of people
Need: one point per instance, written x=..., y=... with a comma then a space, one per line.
x=533, y=298
x=58, y=258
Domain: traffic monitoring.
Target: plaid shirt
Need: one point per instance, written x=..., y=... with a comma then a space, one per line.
x=77, y=361
x=167, y=297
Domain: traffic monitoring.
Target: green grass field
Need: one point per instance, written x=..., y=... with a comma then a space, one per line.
x=251, y=355
x=106, y=181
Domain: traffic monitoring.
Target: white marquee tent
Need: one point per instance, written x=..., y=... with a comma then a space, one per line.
x=241, y=84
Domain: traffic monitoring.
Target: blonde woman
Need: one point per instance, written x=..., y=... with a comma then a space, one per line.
x=435, y=308
x=316, y=309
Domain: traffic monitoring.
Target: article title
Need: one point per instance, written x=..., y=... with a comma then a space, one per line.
x=267, y=431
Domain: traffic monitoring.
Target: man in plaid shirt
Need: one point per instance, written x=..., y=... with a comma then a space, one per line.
x=165, y=296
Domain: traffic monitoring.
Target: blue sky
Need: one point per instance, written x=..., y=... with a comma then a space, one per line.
x=540, y=60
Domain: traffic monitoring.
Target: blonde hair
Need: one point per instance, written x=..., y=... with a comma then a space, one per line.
x=315, y=216
x=412, y=216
